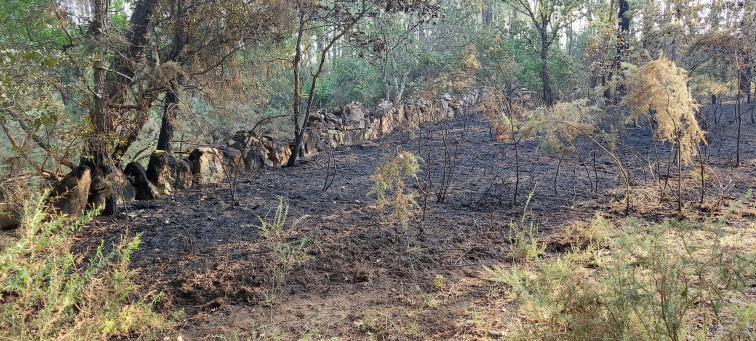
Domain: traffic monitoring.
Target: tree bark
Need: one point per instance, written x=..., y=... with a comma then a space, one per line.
x=487, y=13
x=624, y=20
x=745, y=77
x=95, y=150
x=299, y=130
x=165, y=139
x=297, y=90
x=124, y=64
x=119, y=80
x=622, y=50
x=548, y=98
x=96, y=155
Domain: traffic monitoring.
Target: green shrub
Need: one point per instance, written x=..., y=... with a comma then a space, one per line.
x=287, y=252
x=672, y=280
x=391, y=189
x=348, y=79
x=47, y=292
x=523, y=242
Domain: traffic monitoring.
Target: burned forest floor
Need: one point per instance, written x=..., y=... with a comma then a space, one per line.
x=347, y=271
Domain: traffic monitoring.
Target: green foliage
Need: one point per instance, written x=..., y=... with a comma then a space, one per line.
x=287, y=252
x=48, y=293
x=593, y=233
x=349, y=79
x=390, y=186
x=523, y=238
x=27, y=88
x=34, y=73
x=30, y=23
x=499, y=67
x=523, y=242
x=672, y=280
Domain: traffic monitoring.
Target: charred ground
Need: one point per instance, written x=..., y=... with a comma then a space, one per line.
x=365, y=276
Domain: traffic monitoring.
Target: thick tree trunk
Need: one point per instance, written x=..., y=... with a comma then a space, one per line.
x=96, y=155
x=124, y=63
x=95, y=150
x=165, y=140
x=119, y=80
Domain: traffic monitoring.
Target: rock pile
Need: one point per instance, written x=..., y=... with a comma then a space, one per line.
x=344, y=126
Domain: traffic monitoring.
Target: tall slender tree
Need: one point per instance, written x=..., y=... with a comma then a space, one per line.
x=548, y=18
x=96, y=151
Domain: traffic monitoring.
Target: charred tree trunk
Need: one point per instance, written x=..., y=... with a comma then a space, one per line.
x=548, y=98
x=119, y=81
x=745, y=77
x=165, y=140
x=96, y=154
x=124, y=64
x=300, y=129
x=296, y=100
x=623, y=32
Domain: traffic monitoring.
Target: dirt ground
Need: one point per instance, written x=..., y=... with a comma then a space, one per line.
x=364, y=277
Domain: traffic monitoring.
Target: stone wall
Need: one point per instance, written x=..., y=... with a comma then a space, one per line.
x=245, y=151
x=344, y=126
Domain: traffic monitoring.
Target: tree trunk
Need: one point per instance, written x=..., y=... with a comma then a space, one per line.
x=745, y=77
x=545, y=75
x=739, y=117
x=299, y=131
x=624, y=20
x=95, y=152
x=296, y=99
x=487, y=13
x=679, y=175
x=738, y=109
x=96, y=155
x=140, y=21
x=623, y=45
x=120, y=78
x=165, y=139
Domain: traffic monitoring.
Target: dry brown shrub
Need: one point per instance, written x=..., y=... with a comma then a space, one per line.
x=660, y=91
